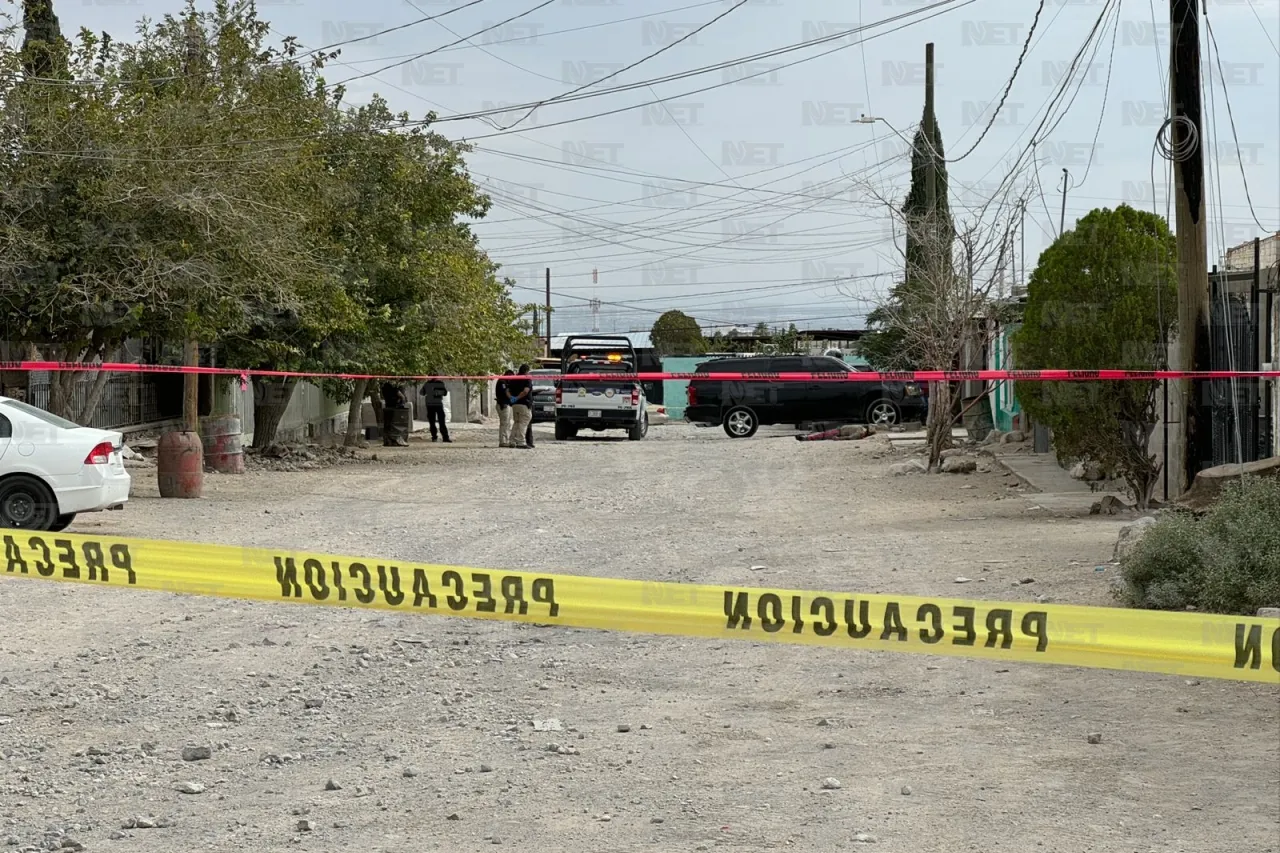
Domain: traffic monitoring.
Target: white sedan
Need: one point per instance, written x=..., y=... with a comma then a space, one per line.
x=51, y=469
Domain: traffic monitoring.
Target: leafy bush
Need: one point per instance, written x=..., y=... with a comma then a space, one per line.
x=1095, y=301
x=1226, y=562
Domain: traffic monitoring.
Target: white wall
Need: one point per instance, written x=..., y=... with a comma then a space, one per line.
x=311, y=414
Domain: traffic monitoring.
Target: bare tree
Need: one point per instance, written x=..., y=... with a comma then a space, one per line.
x=950, y=297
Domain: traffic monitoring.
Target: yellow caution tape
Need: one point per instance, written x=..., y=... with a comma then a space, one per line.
x=1190, y=644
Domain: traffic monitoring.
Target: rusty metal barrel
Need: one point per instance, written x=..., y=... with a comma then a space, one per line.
x=180, y=465
x=223, y=443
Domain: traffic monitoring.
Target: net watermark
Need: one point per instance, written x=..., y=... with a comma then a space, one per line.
x=983, y=113
x=898, y=72
x=672, y=114
x=591, y=153
x=587, y=73
x=670, y=195
x=1055, y=153
x=753, y=74
x=830, y=113
x=429, y=73
x=991, y=33
x=663, y=273
x=667, y=33
x=750, y=153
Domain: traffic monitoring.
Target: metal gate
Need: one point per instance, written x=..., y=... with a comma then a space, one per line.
x=1234, y=411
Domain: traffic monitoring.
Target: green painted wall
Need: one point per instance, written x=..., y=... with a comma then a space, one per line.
x=1004, y=401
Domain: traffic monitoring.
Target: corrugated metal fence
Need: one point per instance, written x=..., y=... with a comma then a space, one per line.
x=127, y=400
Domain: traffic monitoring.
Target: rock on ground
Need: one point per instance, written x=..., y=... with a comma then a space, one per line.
x=1088, y=471
x=1208, y=483
x=958, y=465
x=1130, y=535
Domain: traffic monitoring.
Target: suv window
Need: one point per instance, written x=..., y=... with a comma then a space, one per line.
x=735, y=365
x=786, y=365
x=827, y=364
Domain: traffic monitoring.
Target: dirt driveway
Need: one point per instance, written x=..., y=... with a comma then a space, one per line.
x=339, y=730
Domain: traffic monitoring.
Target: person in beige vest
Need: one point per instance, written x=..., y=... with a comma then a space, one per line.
x=521, y=390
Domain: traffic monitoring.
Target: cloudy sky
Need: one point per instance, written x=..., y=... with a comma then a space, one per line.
x=725, y=175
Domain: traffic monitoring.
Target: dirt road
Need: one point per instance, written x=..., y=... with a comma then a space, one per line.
x=336, y=730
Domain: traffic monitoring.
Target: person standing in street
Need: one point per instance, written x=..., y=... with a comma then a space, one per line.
x=435, y=392
x=393, y=399
x=521, y=391
x=503, y=394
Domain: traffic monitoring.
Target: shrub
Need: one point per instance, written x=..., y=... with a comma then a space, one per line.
x=1226, y=562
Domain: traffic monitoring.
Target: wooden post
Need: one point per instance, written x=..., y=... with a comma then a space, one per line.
x=191, y=389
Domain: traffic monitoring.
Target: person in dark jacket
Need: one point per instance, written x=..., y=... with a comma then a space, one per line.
x=435, y=392
x=521, y=390
x=503, y=395
x=393, y=399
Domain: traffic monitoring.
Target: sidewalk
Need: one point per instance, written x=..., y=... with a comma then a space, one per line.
x=1055, y=488
x=916, y=438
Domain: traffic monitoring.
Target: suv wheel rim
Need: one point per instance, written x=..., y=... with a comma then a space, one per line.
x=883, y=413
x=740, y=423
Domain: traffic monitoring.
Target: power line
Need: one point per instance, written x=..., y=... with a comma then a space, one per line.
x=424, y=54
x=664, y=48
x=718, y=67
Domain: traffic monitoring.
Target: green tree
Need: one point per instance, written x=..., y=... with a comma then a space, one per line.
x=1103, y=296
x=676, y=333
x=417, y=293
x=154, y=194
x=787, y=341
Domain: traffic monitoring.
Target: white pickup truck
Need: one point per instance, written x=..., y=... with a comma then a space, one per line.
x=599, y=404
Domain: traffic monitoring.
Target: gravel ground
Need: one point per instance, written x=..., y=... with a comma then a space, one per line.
x=334, y=730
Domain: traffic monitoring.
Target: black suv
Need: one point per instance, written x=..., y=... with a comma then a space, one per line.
x=742, y=406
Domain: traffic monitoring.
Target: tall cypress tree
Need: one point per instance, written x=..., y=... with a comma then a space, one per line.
x=926, y=212
x=44, y=50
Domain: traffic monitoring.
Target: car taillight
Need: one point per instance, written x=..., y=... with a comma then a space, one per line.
x=691, y=395
x=559, y=395
x=100, y=455
x=635, y=396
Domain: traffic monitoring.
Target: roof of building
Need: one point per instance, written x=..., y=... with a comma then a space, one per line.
x=639, y=340
x=832, y=334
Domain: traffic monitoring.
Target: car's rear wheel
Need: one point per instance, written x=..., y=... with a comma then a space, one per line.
x=63, y=522
x=883, y=412
x=741, y=422
x=640, y=430
x=27, y=504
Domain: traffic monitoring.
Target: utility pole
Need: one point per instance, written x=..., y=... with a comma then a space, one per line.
x=1062, y=217
x=1022, y=236
x=1187, y=349
x=548, y=312
x=930, y=130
